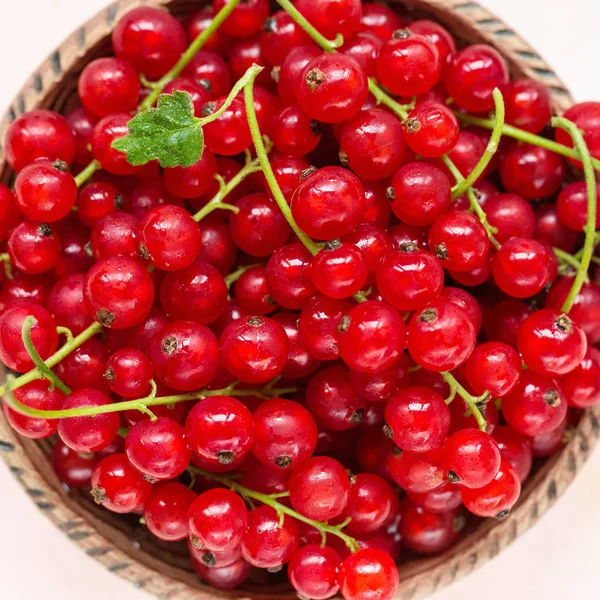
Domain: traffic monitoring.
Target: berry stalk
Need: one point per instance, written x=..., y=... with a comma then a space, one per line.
x=141, y=404
x=528, y=138
x=187, y=56
x=53, y=360
x=84, y=175
x=327, y=45
x=590, y=229
x=280, y=509
x=470, y=400
x=44, y=371
x=216, y=201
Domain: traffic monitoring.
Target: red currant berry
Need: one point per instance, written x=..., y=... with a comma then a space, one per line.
x=267, y=544
x=536, y=406
x=129, y=372
x=191, y=182
x=363, y=47
x=319, y=488
x=105, y=132
x=571, y=206
x=85, y=367
x=333, y=88
x=97, y=200
x=442, y=499
x=252, y=292
x=185, y=355
x=581, y=386
x=418, y=472
x=117, y=486
x=289, y=75
x=440, y=37
x=224, y=578
x=280, y=36
x=372, y=144
x=441, y=336
x=417, y=419
x=152, y=40
x=408, y=64
x=72, y=468
x=115, y=234
x=378, y=387
x=285, y=433
x=39, y=134
x=431, y=130
x=45, y=191
x=33, y=248
x=522, y=267
x=218, y=520
x=493, y=367
x=528, y=105
x=368, y=574
x=43, y=334
x=119, y=292
x=229, y=134
x=473, y=74
x=511, y=216
x=313, y=572
x=472, y=458
x=35, y=395
x=158, y=448
x=380, y=20
x=220, y=428
x=496, y=498
x=293, y=132
x=514, y=449
x=91, y=433
x=550, y=230
x=166, y=511
x=586, y=115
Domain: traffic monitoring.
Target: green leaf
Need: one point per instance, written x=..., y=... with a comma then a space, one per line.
x=169, y=133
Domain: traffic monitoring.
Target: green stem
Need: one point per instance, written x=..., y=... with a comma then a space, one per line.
x=141, y=404
x=567, y=259
x=590, y=229
x=41, y=366
x=471, y=401
x=5, y=258
x=188, y=55
x=53, y=360
x=387, y=100
x=84, y=175
x=217, y=200
x=66, y=332
x=327, y=45
x=278, y=507
x=528, y=138
x=461, y=187
x=263, y=158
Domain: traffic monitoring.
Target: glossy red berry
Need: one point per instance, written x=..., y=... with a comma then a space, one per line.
x=293, y=132
x=419, y=194
x=220, y=428
x=224, y=578
x=459, y=240
x=472, y=75
x=511, y=216
x=428, y=532
x=417, y=419
x=39, y=134
x=158, y=448
x=368, y=574
x=380, y=19
x=472, y=458
x=88, y=433
x=431, y=130
x=442, y=499
x=586, y=115
x=229, y=134
x=85, y=367
x=129, y=372
x=363, y=47
x=572, y=206
x=285, y=433
x=332, y=400
x=105, y=133
x=108, y=85
x=319, y=488
x=332, y=88
x=246, y=19
x=117, y=486
x=418, y=472
x=185, y=355
x=528, y=105
x=279, y=37
x=536, y=406
x=119, y=292
x=217, y=520
x=408, y=280
x=72, y=468
x=252, y=292
x=193, y=181
x=551, y=343
x=313, y=571
x=441, y=336
x=166, y=511
x=115, y=233
x=522, y=267
x=267, y=544
x=43, y=334
x=514, y=449
x=373, y=337
x=496, y=498
x=493, y=367
x=254, y=349
x=45, y=191
x=440, y=37
x=152, y=40
x=581, y=386
x=372, y=144
x=289, y=75
x=34, y=248
x=97, y=200
x=34, y=395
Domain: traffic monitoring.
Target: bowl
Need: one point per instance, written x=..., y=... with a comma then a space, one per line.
x=120, y=543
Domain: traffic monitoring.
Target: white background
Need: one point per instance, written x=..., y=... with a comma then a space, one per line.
x=558, y=559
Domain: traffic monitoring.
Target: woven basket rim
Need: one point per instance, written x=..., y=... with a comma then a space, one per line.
x=112, y=546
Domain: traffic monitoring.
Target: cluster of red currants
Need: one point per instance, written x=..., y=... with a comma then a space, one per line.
x=413, y=288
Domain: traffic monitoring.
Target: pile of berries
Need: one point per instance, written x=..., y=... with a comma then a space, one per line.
x=353, y=320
